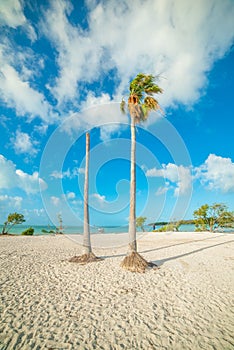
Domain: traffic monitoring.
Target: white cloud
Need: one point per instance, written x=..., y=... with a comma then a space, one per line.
x=101, y=199
x=70, y=195
x=11, y=13
x=178, y=39
x=19, y=67
x=61, y=174
x=217, y=173
x=41, y=129
x=55, y=200
x=10, y=177
x=10, y=202
x=76, y=61
x=39, y=212
x=18, y=94
x=80, y=170
x=107, y=116
x=161, y=190
x=70, y=174
x=30, y=183
x=22, y=143
x=179, y=175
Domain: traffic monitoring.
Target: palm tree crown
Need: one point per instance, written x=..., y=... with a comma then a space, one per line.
x=141, y=101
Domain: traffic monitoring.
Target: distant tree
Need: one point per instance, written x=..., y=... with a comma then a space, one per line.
x=140, y=222
x=12, y=220
x=173, y=226
x=211, y=217
x=28, y=232
x=59, y=230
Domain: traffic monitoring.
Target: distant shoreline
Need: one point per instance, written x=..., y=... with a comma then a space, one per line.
x=17, y=230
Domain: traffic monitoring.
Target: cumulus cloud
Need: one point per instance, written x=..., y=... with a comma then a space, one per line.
x=19, y=67
x=178, y=39
x=179, y=175
x=11, y=13
x=101, y=199
x=217, y=173
x=80, y=170
x=69, y=173
x=11, y=202
x=70, y=195
x=41, y=129
x=161, y=190
x=55, y=200
x=30, y=183
x=102, y=113
x=164, y=189
x=10, y=177
x=76, y=61
x=18, y=94
x=23, y=143
x=61, y=174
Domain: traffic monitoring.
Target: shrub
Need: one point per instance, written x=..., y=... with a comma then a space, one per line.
x=167, y=228
x=28, y=232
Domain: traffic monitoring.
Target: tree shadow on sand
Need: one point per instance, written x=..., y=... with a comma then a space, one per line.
x=162, y=261
x=160, y=248
x=159, y=263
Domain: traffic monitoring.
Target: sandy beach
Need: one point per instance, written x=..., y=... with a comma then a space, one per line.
x=47, y=302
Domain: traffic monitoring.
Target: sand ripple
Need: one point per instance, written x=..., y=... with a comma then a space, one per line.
x=48, y=303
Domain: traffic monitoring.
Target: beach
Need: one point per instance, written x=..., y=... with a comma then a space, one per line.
x=47, y=302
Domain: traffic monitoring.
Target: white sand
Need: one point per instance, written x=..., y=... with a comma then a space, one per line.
x=48, y=303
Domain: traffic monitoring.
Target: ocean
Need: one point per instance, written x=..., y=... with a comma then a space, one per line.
x=44, y=230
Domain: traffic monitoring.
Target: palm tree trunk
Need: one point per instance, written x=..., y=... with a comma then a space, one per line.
x=86, y=234
x=132, y=213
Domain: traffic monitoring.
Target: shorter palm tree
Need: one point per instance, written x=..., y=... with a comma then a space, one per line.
x=88, y=255
x=140, y=103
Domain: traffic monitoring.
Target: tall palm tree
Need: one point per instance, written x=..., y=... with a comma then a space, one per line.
x=86, y=233
x=88, y=255
x=140, y=103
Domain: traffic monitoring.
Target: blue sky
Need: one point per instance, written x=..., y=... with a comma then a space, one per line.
x=64, y=68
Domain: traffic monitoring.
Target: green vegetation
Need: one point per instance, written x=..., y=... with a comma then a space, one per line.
x=45, y=231
x=178, y=223
x=212, y=217
x=28, y=232
x=169, y=227
x=59, y=230
x=140, y=221
x=12, y=220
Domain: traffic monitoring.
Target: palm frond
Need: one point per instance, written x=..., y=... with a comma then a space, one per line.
x=141, y=101
x=151, y=103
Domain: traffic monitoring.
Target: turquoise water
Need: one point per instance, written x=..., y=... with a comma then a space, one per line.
x=79, y=229
x=17, y=230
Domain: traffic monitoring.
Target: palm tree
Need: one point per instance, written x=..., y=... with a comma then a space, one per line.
x=88, y=255
x=86, y=234
x=140, y=103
